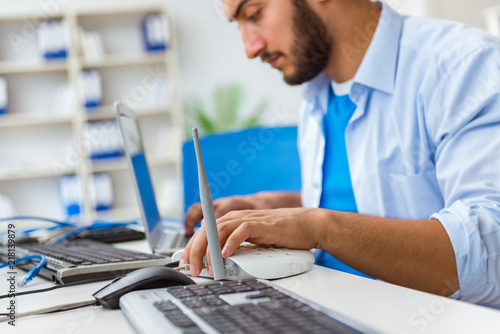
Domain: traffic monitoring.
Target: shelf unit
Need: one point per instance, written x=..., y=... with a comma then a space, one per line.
x=47, y=138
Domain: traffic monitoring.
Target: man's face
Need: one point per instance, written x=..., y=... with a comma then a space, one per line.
x=287, y=34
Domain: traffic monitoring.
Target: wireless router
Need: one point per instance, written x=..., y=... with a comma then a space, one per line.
x=249, y=260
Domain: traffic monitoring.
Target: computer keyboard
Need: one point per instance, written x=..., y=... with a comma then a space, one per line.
x=249, y=306
x=86, y=252
x=81, y=260
x=110, y=235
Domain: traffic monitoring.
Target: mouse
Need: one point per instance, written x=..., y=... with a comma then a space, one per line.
x=140, y=279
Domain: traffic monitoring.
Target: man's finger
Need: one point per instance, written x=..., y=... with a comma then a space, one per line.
x=185, y=254
x=197, y=251
x=209, y=261
x=193, y=216
x=240, y=234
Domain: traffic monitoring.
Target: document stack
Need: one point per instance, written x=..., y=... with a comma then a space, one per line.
x=103, y=140
x=70, y=191
x=4, y=100
x=52, y=40
x=101, y=191
x=92, y=89
x=91, y=44
x=155, y=32
x=101, y=188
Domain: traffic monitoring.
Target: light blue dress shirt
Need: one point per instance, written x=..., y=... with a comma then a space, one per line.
x=424, y=140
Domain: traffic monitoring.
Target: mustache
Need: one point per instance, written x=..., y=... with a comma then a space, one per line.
x=266, y=55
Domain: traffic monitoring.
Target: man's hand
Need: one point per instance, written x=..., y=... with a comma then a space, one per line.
x=221, y=207
x=290, y=227
x=259, y=201
x=413, y=253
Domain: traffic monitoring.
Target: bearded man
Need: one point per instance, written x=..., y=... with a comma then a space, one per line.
x=399, y=140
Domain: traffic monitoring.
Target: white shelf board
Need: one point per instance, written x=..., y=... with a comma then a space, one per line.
x=120, y=60
x=118, y=164
x=33, y=172
x=107, y=112
x=35, y=66
x=31, y=119
x=12, y=15
x=112, y=10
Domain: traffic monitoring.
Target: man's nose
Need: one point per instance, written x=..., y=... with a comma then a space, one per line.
x=253, y=42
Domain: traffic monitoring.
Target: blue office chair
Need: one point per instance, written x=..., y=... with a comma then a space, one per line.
x=243, y=162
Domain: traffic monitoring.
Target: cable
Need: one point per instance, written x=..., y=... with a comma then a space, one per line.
x=51, y=309
x=54, y=287
x=25, y=232
x=61, y=223
x=96, y=225
x=28, y=277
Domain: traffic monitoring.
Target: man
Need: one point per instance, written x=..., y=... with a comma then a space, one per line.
x=399, y=139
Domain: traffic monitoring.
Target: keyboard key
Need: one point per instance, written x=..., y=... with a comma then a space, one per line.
x=174, y=314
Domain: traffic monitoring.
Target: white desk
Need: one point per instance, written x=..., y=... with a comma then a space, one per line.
x=381, y=306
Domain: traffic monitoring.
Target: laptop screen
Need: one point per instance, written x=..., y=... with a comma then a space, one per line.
x=134, y=149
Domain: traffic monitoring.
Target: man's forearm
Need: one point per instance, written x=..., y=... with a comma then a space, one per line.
x=413, y=253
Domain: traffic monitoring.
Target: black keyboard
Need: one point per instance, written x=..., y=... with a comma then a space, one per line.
x=264, y=310
x=110, y=235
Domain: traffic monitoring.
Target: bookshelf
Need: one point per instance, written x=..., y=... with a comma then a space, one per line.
x=46, y=126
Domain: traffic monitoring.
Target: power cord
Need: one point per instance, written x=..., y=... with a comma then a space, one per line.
x=52, y=309
x=54, y=287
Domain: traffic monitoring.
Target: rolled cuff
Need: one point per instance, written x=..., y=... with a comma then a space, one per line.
x=461, y=223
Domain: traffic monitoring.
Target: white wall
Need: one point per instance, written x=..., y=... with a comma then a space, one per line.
x=211, y=51
x=468, y=11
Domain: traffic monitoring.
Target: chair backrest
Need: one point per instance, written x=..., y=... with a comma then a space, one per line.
x=243, y=162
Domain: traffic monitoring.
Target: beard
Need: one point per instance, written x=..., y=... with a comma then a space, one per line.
x=311, y=47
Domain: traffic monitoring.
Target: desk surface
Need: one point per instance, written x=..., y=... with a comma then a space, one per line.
x=384, y=307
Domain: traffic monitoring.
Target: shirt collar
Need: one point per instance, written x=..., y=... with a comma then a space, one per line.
x=378, y=68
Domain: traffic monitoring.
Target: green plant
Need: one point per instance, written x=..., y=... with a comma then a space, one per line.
x=229, y=100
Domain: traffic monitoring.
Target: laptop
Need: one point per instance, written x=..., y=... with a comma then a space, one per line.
x=232, y=306
x=163, y=238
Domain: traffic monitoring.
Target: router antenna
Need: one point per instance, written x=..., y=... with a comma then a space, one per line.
x=207, y=207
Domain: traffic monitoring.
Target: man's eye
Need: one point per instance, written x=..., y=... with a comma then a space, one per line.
x=254, y=16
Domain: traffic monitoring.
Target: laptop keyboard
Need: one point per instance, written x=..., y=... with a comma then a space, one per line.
x=87, y=252
x=244, y=307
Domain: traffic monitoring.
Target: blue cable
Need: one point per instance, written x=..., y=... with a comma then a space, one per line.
x=24, y=232
x=58, y=222
x=33, y=272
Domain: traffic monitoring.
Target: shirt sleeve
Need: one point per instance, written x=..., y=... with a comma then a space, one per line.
x=464, y=125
